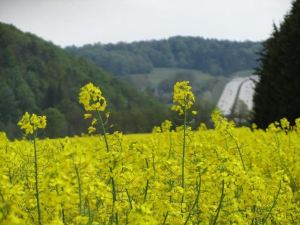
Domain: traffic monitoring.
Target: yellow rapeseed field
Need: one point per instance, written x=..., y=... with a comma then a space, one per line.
x=225, y=175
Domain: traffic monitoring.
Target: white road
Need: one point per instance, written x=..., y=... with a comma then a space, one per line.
x=240, y=88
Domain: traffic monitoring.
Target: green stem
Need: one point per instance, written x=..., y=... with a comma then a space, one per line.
x=170, y=144
x=153, y=162
x=113, y=189
x=114, y=192
x=220, y=204
x=273, y=205
x=79, y=189
x=146, y=190
x=126, y=218
x=253, y=219
x=117, y=218
x=10, y=176
x=2, y=197
x=62, y=211
x=63, y=215
x=165, y=218
x=37, y=193
x=147, y=184
x=183, y=154
x=114, y=197
x=239, y=150
x=129, y=199
x=91, y=216
x=183, y=149
x=104, y=131
x=195, y=202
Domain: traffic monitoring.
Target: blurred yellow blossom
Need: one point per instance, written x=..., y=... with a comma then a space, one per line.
x=183, y=97
x=91, y=98
x=30, y=123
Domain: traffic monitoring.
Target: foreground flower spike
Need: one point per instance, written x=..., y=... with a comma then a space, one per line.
x=30, y=123
x=183, y=97
x=91, y=98
x=183, y=100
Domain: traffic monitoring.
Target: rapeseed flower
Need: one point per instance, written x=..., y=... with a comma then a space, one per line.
x=91, y=98
x=225, y=175
x=183, y=97
x=30, y=123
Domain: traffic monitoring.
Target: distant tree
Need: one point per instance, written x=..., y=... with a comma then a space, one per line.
x=8, y=103
x=7, y=58
x=39, y=77
x=211, y=56
x=56, y=123
x=278, y=92
x=26, y=99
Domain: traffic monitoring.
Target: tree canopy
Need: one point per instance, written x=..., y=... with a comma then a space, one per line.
x=212, y=56
x=278, y=92
x=39, y=77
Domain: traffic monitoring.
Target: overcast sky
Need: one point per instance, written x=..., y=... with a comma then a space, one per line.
x=78, y=22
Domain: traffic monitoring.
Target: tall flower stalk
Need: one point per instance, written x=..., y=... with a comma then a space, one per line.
x=30, y=124
x=183, y=100
x=92, y=99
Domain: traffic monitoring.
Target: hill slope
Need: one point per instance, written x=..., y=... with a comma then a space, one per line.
x=40, y=77
x=208, y=55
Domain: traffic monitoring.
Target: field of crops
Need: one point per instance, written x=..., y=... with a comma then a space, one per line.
x=232, y=176
x=225, y=175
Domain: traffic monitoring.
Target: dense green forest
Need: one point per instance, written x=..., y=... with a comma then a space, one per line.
x=39, y=77
x=211, y=56
x=278, y=92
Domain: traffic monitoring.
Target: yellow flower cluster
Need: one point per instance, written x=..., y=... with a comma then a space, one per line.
x=30, y=123
x=91, y=98
x=229, y=175
x=183, y=97
x=232, y=176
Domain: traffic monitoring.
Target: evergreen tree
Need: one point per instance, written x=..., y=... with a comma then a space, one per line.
x=278, y=92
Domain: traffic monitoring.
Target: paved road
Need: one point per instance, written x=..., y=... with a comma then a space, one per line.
x=240, y=88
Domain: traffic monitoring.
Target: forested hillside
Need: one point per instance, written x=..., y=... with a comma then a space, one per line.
x=37, y=76
x=208, y=55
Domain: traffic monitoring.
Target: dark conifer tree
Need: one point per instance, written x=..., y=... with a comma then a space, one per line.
x=278, y=92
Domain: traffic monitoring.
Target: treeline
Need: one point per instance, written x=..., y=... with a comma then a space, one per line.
x=278, y=92
x=39, y=77
x=212, y=56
